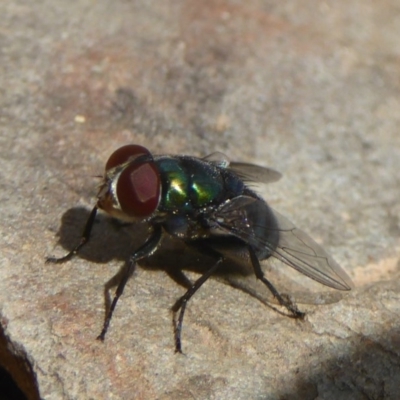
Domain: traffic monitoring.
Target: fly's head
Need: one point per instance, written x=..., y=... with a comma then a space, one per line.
x=131, y=187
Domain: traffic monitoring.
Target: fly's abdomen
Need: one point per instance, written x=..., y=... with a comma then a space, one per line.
x=250, y=219
x=266, y=229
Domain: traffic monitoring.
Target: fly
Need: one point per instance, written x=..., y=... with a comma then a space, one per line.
x=208, y=204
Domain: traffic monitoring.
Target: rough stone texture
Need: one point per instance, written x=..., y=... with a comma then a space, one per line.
x=309, y=88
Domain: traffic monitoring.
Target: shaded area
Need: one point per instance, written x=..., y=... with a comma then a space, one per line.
x=112, y=239
x=366, y=369
x=8, y=388
x=17, y=379
x=106, y=242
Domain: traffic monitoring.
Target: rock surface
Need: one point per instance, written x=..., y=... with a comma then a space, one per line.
x=310, y=89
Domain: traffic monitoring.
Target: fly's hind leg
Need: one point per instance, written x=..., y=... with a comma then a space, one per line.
x=282, y=300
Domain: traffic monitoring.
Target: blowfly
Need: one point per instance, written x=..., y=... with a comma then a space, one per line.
x=208, y=204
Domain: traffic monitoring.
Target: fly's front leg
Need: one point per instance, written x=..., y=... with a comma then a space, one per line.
x=182, y=302
x=296, y=313
x=84, y=239
x=146, y=249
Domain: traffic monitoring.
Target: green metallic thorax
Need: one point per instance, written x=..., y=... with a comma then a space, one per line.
x=189, y=184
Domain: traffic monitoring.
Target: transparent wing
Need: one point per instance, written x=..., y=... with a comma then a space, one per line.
x=255, y=173
x=248, y=172
x=271, y=234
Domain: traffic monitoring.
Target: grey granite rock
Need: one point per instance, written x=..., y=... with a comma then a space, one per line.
x=311, y=89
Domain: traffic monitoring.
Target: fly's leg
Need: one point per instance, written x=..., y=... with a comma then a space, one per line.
x=296, y=313
x=143, y=251
x=181, y=303
x=179, y=277
x=84, y=239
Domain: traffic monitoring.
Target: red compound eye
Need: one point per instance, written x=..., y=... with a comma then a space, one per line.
x=125, y=154
x=138, y=189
